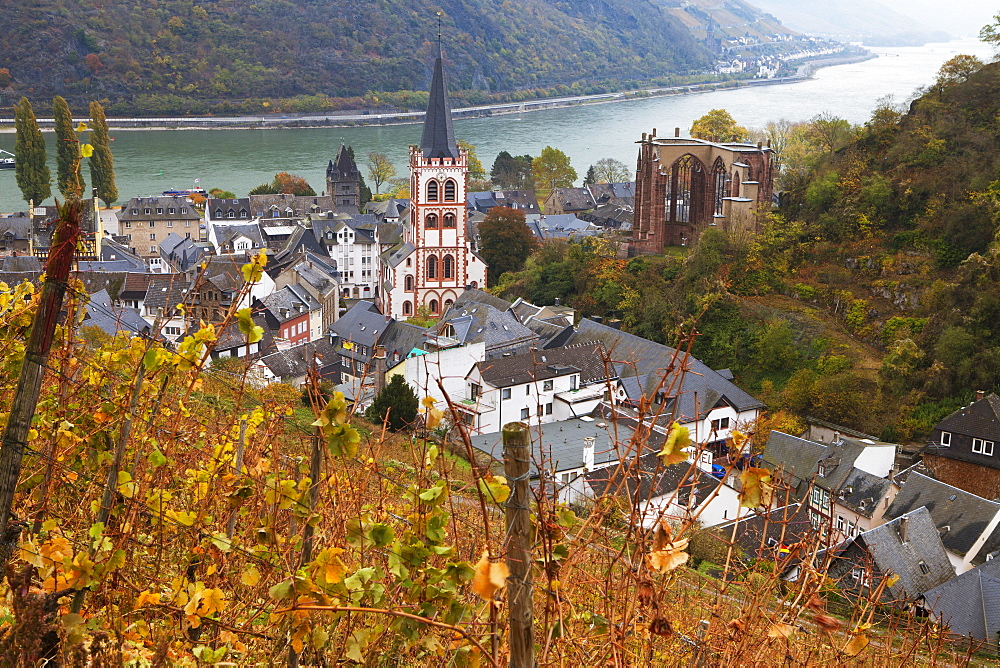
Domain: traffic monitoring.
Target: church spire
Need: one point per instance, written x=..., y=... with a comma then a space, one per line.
x=438, y=140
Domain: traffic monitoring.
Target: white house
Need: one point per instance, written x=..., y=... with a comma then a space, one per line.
x=422, y=370
x=356, y=252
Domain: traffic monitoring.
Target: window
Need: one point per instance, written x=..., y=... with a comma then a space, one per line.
x=170, y=210
x=135, y=212
x=981, y=447
x=128, y=225
x=840, y=523
x=152, y=236
x=861, y=576
x=524, y=413
x=146, y=211
x=433, y=305
x=505, y=393
x=432, y=221
x=449, y=190
x=432, y=191
x=159, y=211
x=170, y=223
x=432, y=265
x=449, y=266
x=547, y=386
x=572, y=383
x=184, y=209
x=408, y=283
x=187, y=223
x=449, y=220
x=172, y=331
x=548, y=408
x=923, y=567
x=231, y=214
x=407, y=308
x=721, y=423
x=152, y=223
x=945, y=439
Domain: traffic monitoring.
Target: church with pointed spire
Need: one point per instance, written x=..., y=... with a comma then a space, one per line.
x=435, y=262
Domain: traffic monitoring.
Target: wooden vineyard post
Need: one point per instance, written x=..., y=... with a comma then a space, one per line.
x=36, y=355
x=517, y=463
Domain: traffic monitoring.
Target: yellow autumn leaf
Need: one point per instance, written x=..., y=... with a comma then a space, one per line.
x=146, y=598
x=433, y=418
x=86, y=150
x=670, y=557
x=490, y=577
x=779, y=630
x=81, y=127
x=29, y=552
x=212, y=601
x=673, y=449
x=756, y=489
x=428, y=402
x=250, y=577
x=857, y=645
x=891, y=580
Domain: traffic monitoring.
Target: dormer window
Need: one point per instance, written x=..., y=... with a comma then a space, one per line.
x=982, y=447
x=159, y=211
x=170, y=210
x=945, y=439
x=243, y=213
x=231, y=214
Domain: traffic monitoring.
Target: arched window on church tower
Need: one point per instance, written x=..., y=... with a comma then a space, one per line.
x=449, y=190
x=433, y=306
x=449, y=220
x=432, y=266
x=449, y=266
x=407, y=309
x=432, y=221
x=448, y=303
x=408, y=283
x=432, y=191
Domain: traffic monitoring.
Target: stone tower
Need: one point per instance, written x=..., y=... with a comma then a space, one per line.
x=343, y=180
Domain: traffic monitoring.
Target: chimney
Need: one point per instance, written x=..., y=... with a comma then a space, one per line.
x=588, y=452
x=677, y=132
x=654, y=133
x=836, y=437
x=980, y=394
x=559, y=300
x=904, y=527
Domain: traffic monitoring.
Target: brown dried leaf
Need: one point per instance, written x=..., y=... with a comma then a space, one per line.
x=857, y=645
x=779, y=630
x=826, y=623
x=661, y=627
x=736, y=626
x=662, y=535
x=645, y=594
x=816, y=603
x=490, y=577
x=669, y=558
x=756, y=489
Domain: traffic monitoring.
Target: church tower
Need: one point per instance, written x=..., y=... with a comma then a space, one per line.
x=343, y=179
x=436, y=262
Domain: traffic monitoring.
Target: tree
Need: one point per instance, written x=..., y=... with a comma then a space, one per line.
x=67, y=150
x=5, y=78
x=591, y=177
x=219, y=193
x=512, y=172
x=958, y=70
x=506, y=241
x=30, y=170
x=292, y=184
x=476, y=169
x=396, y=404
x=102, y=163
x=991, y=32
x=380, y=169
x=719, y=126
x=609, y=170
x=552, y=170
x=829, y=132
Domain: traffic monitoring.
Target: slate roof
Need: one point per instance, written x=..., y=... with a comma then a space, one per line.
x=891, y=555
x=344, y=168
x=224, y=234
x=799, y=458
x=561, y=443
x=183, y=209
x=113, y=251
x=289, y=206
x=219, y=209
x=165, y=292
x=525, y=200
x=862, y=492
x=20, y=263
x=518, y=369
x=101, y=312
x=401, y=338
x=959, y=516
x=969, y=604
x=295, y=362
x=438, y=138
x=572, y=199
x=636, y=356
x=397, y=254
x=17, y=226
x=362, y=324
x=480, y=201
x=289, y=303
x=646, y=478
x=980, y=419
x=483, y=323
x=761, y=534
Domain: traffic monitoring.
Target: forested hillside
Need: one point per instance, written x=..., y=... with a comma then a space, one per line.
x=182, y=55
x=869, y=299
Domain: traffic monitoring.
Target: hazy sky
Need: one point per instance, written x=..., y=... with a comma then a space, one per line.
x=958, y=17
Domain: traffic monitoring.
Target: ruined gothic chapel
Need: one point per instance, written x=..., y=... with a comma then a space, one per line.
x=435, y=262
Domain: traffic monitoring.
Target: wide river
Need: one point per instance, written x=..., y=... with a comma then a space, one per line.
x=150, y=161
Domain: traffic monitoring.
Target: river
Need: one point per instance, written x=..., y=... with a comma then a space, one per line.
x=150, y=161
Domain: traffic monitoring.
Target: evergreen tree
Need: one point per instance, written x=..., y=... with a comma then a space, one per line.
x=102, y=164
x=67, y=150
x=398, y=401
x=591, y=177
x=33, y=177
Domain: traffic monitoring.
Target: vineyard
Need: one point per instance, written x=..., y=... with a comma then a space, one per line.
x=171, y=511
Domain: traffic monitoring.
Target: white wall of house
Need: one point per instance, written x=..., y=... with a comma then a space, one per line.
x=719, y=423
x=450, y=365
x=357, y=261
x=877, y=459
x=535, y=402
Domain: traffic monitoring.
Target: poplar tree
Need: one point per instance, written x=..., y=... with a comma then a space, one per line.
x=67, y=150
x=102, y=163
x=30, y=170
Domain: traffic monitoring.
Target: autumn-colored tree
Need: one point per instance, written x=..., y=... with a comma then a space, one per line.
x=102, y=163
x=67, y=150
x=380, y=169
x=957, y=70
x=292, y=184
x=718, y=125
x=552, y=169
x=506, y=241
x=476, y=169
x=5, y=78
x=609, y=170
x=30, y=170
x=830, y=132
